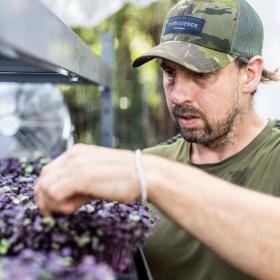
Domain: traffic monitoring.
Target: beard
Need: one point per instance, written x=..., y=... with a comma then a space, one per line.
x=214, y=134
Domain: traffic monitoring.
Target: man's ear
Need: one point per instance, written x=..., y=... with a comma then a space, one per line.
x=251, y=75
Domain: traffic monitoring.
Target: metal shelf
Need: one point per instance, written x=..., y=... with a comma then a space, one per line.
x=36, y=46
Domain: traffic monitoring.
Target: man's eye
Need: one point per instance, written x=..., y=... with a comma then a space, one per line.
x=202, y=76
x=169, y=72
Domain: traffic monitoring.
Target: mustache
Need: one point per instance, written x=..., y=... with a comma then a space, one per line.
x=186, y=110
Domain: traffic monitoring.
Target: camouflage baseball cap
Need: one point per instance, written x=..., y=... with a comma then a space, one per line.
x=207, y=35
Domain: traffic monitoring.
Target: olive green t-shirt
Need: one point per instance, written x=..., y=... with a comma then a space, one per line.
x=172, y=254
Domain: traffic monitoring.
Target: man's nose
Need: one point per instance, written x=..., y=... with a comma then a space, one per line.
x=183, y=92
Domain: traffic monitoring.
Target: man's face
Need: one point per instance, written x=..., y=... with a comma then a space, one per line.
x=204, y=106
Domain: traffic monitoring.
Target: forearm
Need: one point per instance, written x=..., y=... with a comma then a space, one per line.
x=240, y=225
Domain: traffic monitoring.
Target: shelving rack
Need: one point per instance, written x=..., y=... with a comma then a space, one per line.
x=37, y=47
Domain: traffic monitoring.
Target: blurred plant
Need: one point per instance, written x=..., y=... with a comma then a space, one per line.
x=141, y=116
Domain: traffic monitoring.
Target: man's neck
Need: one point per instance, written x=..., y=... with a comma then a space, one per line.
x=237, y=139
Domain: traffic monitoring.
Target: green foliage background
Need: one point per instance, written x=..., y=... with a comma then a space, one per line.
x=141, y=118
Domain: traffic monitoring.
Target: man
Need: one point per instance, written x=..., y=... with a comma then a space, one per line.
x=210, y=54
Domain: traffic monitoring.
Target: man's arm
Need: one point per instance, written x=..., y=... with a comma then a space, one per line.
x=240, y=225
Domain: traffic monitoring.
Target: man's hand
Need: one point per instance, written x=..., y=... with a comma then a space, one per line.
x=83, y=173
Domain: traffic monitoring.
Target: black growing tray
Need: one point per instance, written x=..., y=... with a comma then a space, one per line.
x=141, y=271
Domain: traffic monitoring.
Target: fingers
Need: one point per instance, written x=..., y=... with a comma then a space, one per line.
x=87, y=171
x=56, y=192
x=68, y=206
x=57, y=179
x=52, y=175
x=40, y=201
x=53, y=195
x=61, y=183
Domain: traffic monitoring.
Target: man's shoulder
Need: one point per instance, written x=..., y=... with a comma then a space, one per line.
x=275, y=131
x=170, y=144
x=276, y=126
x=174, y=148
x=266, y=147
x=272, y=144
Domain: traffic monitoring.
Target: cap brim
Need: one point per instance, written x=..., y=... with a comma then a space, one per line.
x=194, y=57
